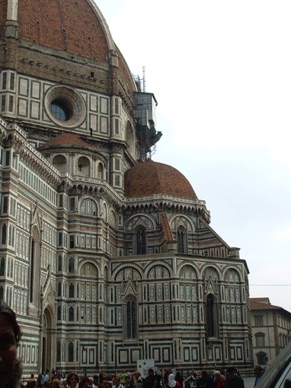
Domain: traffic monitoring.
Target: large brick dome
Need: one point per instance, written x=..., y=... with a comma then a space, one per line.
x=74, y=28
x=150, y=178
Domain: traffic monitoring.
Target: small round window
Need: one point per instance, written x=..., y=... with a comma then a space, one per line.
x=60, y=110
x=65, y=107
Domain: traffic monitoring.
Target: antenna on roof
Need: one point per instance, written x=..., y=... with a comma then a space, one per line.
x=143, y=79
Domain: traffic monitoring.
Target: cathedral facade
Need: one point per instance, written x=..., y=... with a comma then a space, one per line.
x=107, y=256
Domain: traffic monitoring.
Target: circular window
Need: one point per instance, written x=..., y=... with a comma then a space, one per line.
x=65, y=107
x=60, y=110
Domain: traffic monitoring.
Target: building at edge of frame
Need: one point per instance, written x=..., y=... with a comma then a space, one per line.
x=107, y=256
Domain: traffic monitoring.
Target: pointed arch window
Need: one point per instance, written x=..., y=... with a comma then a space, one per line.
x=2, y=266
x=71, y=314
x=34, y=259
x=71, y=291
x=182, y=240
x=59, y=313
x=4, y=234
x=60, y=263
x=141, y=244
x=131, y=318
x=59, y=289
x=71, y=264
x=71, y=352
x=211, y=316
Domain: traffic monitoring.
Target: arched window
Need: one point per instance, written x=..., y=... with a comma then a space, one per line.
x=2, y=266
x=131, y=318
x=88, y=206
x=182, y=240
x=59, y=313
x=71, y=314
x=84, y=167
x=71, y=291
x=100, y=171
x=211, y=316
x=59, y=351
x=60, y=263
x=71, y=265
x=4, y=234
x=34, y=259
x=59, y=289
x=60, y=163
x=141, y=246
x=71, y=352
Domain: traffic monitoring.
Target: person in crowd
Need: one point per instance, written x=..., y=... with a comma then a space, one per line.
x=87, y=382
x=56, y=383
x=139, y=383
x=10, y=334
x=103, y=381
x=172, y=383
x=191, y=379
x=258, y=372
x=116, y=382
x=31, y=384
x=218, y=380
x=135, y=376
x=232, y=379
x=45, y=377
x=179, y=378
x=128, y=382
x=204, y=381
x=73, y=380
x=150, y=381
x=166, y=376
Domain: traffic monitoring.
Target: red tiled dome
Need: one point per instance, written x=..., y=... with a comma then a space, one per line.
x=77, y=28
x=65, y=139
x=150, y=178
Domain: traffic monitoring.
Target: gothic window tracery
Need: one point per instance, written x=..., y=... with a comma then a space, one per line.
x=2, y=266
x=131, y=318
x=182, y=239
x=71, y=290
x=89, y=207
x=71, y=265
x=34, y=258
x=141, y=245
x=60, y=263
x=211, y=316
x=71, y=313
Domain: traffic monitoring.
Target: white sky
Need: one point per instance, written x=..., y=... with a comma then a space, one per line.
x=221, y=73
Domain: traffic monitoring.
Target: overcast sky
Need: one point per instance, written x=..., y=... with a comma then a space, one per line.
x=221, y=73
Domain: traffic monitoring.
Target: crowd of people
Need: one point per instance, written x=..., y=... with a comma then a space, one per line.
x=228, y=378
x=10, y=370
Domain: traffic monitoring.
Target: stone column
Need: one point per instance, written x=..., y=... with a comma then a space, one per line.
x=11, y=26
x=12, y=10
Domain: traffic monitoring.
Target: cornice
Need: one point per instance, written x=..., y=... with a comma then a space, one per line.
x=17, y=139
x=167, y=203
